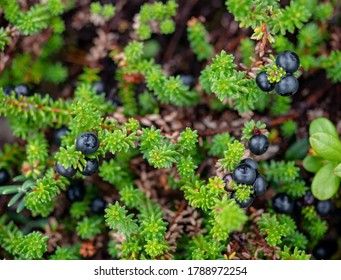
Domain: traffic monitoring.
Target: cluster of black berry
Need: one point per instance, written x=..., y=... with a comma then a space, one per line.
x=288, y=85
x=19, y=90
x=87, y=143
x=246, y=173
x=283, y=203
x=76, y=192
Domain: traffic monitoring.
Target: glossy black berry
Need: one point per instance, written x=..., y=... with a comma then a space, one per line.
x=325, y=249
x=287, y=86
x=99, y=87
x=263, y=82
x=7, y=90
x=75, y=193
x=243, y=204
x=251, y=162
x=22, y=90
x=324, y=207
x=65, y=172
x=258, y=144
x=4, y=176
x=87, y=143
x=282, y=203
x=59, y=133
x=188, y=80
x=244, y=174
x=91, y=167
x=289, y=61
x=308, y=199
x=98, y=205
x=260, y=185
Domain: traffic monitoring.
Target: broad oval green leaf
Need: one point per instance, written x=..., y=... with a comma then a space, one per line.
x=312, y=163
x=337, y=170
x=323, y=125
x=325, y=184
x=326, y=146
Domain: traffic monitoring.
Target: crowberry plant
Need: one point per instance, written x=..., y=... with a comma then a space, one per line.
x=143, y=132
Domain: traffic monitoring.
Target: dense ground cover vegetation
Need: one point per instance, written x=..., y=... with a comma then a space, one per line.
x=170, y=129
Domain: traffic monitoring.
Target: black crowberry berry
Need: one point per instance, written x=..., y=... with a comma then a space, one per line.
x=287, y=86
x=59, y=133
x=91, y=167
x=187, y=80
x=258, y=144
x=308, y=199
x=324, y=207
x=4, y=176
x=244, y=174
x=243, y=204
x=99, y=87
x=260, y=185
x=65, y=172
x=22, y=90
x=87, y=143
x=75, y=192
x=288, y=60
x=263, y=82
x=98, y=205
x=324, y=250
x=282, y=203
x=251, y=162
x=7, y=90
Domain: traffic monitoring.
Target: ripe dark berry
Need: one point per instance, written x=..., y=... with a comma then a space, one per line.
x=7, y=90
x=258, y=144
x=227, y=180
x=22, y=90
x=75, y=193
x=91, y=167
x=187, y=80
x=4, y=176
x=65, y=172
x=325, y=249
x=243, y=204
x=99, y=87
x=289, y=61
x=260, y=185
x=324, y=207
x=282, y=203
x=308, y=199
x=251, y=162
x=244, y=174
x=287, y=86
x=98, y=205
x=87, y=143
x=263, y=82
x=59, y=133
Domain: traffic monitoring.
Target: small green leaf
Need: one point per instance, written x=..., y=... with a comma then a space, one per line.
x=323, y=125
x=337, y=170
x=325, y=184
x=326, y=146
x=312, y=163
